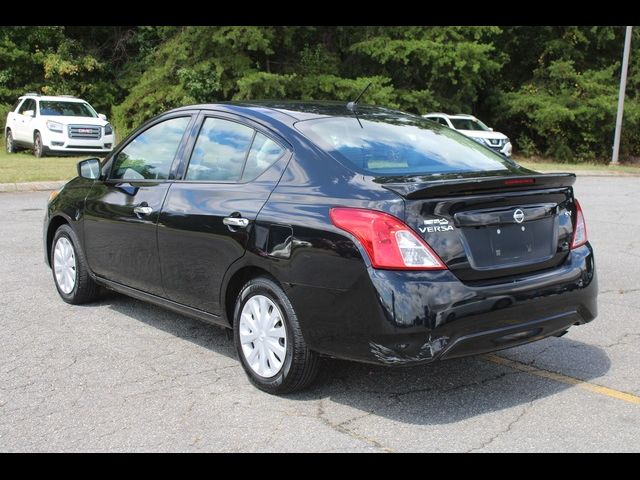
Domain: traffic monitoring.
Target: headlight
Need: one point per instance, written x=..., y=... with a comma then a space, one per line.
x=54, y=126
x=108, y=129
x=479, y=140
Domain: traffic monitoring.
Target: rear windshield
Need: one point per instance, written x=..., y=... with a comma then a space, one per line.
x=66, y=109
x=392, y=143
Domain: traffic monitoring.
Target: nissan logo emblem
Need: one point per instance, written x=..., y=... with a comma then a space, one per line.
x=518, y=215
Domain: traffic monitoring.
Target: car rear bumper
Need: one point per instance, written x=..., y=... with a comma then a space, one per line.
x=402, y=318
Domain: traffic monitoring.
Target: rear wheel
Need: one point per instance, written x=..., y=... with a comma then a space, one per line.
x=38, y=148
x=269, y=341
x=9, y=144
x=70, y=272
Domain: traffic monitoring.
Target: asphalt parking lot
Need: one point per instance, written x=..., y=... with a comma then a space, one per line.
x=122, y=375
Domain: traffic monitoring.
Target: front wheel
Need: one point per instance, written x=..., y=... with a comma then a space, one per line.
x=269, y=341
x=70, y=271
x=38, y=148
x=9, y=144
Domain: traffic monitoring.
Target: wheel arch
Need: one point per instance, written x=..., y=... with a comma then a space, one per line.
x=54, y=224
x=235, y=282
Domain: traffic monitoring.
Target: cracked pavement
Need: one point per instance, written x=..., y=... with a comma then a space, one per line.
x=122, y=375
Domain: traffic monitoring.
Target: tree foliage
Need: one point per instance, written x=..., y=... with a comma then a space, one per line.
x=553, y=90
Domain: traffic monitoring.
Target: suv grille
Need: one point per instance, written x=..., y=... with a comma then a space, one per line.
x=85, y=131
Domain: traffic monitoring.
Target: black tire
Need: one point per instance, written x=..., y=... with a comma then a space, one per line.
x=9, y=143
x=85, y=289
x=38, y=148
x=300, y=365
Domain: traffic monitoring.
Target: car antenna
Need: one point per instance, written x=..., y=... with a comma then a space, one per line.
x=353, y=105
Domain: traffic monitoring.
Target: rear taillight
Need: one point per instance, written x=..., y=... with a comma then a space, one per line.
x=389, y=242
x=579, y=228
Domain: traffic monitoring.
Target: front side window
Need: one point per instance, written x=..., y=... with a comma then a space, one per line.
x=390, y=143
x=220, y=151
x=149, y=155
x=66, y=109
x=28, y=104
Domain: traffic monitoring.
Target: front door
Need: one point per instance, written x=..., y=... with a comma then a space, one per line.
x=121, y=213
x=208, y=217
x=22, y=129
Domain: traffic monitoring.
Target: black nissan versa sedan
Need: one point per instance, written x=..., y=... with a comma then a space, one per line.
x=316, y=229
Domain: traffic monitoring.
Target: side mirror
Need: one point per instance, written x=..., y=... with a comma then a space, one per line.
x=29, y=113
x=490, y=129
x=102, y=116
x=89, y=168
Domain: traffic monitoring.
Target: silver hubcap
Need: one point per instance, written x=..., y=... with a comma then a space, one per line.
x=64, y=265
x=263, y=336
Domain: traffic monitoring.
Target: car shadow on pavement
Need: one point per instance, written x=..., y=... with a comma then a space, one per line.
x=438, y=393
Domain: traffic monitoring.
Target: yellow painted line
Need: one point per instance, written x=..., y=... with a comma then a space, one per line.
x=558, y=377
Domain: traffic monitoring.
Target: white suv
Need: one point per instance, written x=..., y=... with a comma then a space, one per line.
x=472, y=127
x=57, y=125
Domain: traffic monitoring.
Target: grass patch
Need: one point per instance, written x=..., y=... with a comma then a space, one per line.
x=24, y=167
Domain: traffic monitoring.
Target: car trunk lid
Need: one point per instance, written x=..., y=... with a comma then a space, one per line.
x=492, y=226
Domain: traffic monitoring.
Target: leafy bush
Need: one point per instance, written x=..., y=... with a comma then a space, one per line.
x=4, y=110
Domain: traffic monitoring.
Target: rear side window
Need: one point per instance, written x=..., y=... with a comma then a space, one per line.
x=149, y=155
x=264, y=153
x=220, y=151
x=393, y=143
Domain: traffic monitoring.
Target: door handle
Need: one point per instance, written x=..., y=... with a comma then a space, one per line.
x=143, y=210
x=236, y=222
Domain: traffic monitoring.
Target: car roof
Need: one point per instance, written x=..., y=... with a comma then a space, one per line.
x=53, y=97
x=440, y=114
x=287, y=111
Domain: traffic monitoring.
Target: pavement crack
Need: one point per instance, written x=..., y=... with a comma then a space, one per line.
x=342, y=429
x=505, y=430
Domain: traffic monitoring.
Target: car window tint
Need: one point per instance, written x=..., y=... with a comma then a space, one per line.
x=264, y=153
x=149, y=155
x=220, y=151
x=443, y=121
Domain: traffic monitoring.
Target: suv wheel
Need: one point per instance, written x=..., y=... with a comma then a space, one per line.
x=268, y=339
x=38, y=148
x=70, y=272
x=10, y=146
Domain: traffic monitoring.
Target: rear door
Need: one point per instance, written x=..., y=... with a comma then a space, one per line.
x=121, y=212
x=208, y=218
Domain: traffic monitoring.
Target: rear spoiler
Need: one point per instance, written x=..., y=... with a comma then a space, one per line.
x=463, y=186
